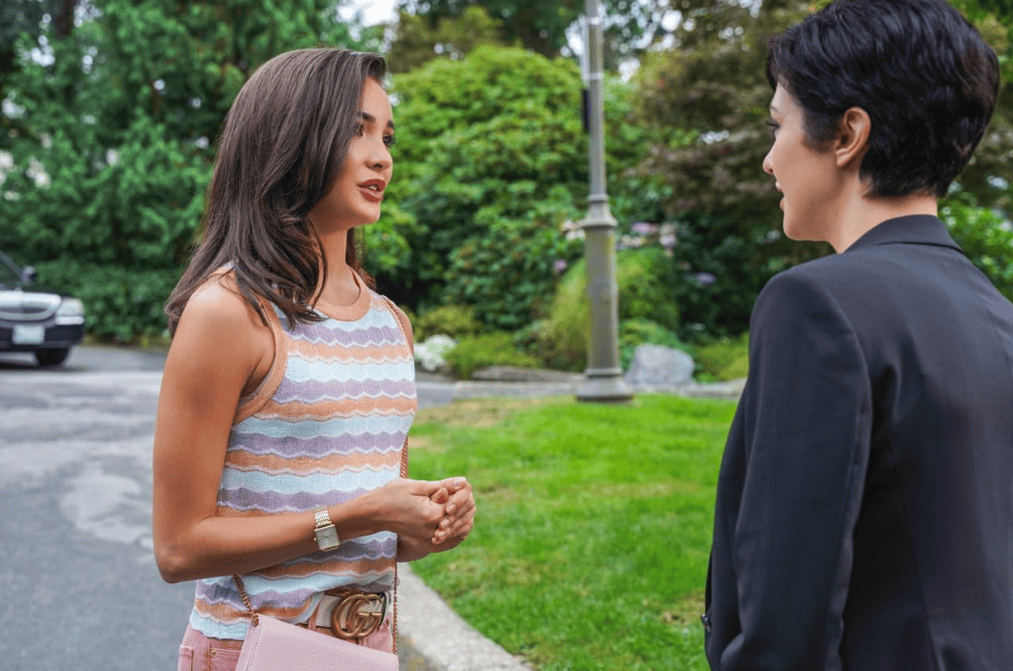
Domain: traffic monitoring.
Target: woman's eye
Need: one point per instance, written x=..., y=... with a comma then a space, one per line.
x=773, y=126
x=388, y=140
x=360, y=130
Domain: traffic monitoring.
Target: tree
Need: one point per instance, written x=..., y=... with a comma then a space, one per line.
x=490, y=161
x=542, y=27
x=112, y=139
x=418, y=40
x=713, y=83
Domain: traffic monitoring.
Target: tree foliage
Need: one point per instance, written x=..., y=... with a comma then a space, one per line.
x=713, y=83
x=630, y=26
x=418, y=40
x=111, y=137
x=490, y=158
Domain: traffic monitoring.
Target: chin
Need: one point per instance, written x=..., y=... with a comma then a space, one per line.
x=793, y=231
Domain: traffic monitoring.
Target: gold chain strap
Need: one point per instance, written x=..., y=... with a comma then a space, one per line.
x=246, y=600
x=404, y=474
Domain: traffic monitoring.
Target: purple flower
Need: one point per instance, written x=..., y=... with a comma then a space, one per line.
x=559, y=266
x=703, y=279
x=643, y=228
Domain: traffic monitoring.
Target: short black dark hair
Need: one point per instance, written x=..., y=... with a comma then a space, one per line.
x=924, y=75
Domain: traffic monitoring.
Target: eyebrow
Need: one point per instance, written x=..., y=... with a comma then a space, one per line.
x=369, y=118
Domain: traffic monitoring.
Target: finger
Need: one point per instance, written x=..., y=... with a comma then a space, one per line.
x=465, y=523
x=460, y=502
x=427, y=487
x=440, y=496
x=455, y=484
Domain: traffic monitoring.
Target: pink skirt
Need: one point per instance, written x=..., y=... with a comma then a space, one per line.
x=200, y=653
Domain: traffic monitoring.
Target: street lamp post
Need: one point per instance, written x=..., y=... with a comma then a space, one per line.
x=603, y=377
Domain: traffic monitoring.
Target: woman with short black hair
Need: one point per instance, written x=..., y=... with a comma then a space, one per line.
x=864, y=516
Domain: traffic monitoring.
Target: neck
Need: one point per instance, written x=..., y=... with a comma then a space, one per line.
x=863, y=213
x=338, y=288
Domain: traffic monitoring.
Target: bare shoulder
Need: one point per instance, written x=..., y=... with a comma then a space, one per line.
x=218, y=304
x=219, y=327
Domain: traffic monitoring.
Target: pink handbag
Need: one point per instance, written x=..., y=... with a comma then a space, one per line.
x=273, y=645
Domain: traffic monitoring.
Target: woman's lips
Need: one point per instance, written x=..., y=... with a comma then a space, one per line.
x=371, y=195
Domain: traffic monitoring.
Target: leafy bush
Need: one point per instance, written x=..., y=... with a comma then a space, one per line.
x=723, y=359
x=559, y=345
x=456, y=321
x=491, y=149
x=644, y=278
x=987, y=240
x=492, y=349
x=636, y=332
x=718, y=273
x=509, y=271
x=119, y=304
x=490, y=139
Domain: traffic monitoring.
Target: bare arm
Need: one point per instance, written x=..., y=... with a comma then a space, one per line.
x=221, y=349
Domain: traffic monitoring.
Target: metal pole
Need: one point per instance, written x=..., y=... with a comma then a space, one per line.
x=603, y=377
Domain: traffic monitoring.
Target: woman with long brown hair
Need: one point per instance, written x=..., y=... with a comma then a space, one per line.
x=289, y=388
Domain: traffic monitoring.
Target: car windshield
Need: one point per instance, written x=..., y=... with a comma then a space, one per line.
x=8, y=272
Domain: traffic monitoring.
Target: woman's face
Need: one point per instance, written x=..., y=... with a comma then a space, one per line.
x=809, y=179
x=356, y=193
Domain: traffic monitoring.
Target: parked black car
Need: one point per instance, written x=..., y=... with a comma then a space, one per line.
x=35, y=320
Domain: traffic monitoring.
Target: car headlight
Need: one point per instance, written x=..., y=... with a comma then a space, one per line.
x=71, y=311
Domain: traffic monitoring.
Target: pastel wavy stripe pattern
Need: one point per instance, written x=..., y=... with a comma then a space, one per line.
x=331, y=430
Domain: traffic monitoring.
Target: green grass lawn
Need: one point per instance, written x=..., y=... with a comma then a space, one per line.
x=593, y=528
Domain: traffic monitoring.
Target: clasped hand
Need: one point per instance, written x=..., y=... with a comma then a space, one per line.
x=437, y=514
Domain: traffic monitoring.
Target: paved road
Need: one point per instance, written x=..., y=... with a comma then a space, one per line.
x=80, y=586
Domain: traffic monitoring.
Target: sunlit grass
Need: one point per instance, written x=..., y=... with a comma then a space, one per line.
x=593, y=529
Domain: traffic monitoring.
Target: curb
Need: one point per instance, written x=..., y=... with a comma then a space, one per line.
x=432, y=637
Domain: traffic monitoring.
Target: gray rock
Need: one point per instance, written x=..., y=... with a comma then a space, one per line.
x=659, y=366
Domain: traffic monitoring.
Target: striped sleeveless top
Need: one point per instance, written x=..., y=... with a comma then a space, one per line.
x=326, y=425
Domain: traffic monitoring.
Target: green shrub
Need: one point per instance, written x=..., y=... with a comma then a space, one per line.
x=723, y=359
x=492, y=349
x=636, y=332
x=456, y=321
x=553, y=346
x=509, y=270
x=720, y=267
x=644, y=278
x=120, y=305
x=987, y=240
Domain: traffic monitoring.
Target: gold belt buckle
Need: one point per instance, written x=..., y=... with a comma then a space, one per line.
x=349, y=622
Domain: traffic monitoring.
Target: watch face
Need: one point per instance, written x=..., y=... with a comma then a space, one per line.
x=327, y=538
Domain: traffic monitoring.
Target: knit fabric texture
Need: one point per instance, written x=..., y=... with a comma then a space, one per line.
x=327, y=425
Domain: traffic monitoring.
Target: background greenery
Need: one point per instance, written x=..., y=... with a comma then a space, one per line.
x=111, y=110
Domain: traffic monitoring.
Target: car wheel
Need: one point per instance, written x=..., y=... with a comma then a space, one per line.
x=51, y=357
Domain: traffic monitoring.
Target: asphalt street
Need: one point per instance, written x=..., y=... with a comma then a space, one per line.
x=80, y=586
x=79, y=583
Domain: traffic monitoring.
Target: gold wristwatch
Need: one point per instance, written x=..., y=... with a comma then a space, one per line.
x=326, y=533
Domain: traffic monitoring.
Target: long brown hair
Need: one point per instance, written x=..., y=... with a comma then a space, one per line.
x=282, y=145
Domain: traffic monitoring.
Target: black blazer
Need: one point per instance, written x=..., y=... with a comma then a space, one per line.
x=864, y=517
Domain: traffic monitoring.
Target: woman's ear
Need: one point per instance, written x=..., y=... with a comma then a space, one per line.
x=853, y=138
